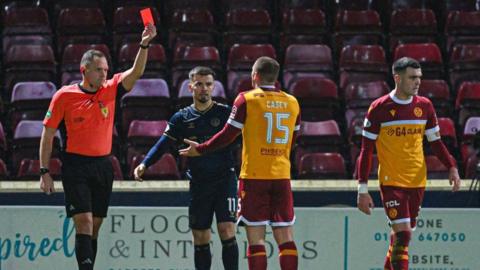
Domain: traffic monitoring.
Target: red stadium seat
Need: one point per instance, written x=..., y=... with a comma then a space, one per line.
x=142, y=135
x=192, y=27
x=464, y=64
x=9, y=41
x=318, y=98
x=117, y=169
x=362, y=63
x=148, y=100
x=468, y=101
x=303, y=26
x=29, y=169
x=462, y=27
x=164, y=169
x=435, y=168
x=373, y=171
x=156, y=63
x=361, y=95
x=305, y=60
x=26, y=21
x=322, y=136
x=72, y=55
x=228, y=5
x=355, y=27
x=322, y=166
x=3, y=170
x=247, y=26
x=185, y=96
x=28, y=63
x=77, y=25
x=439, y=93
x=30, y=101
x=240, y=61
x=428, y=54
x=448, y=133
x=186, y=58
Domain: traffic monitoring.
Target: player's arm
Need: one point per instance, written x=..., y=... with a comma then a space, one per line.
x=45, y=152
x=161, y=146
x=130, y=76
x=371, y=129
x=225, y=137
x=432, y=133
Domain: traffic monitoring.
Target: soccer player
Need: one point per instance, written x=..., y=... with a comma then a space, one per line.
x=268, y=120
x=213, y=182
x=88, y=110
x=395, y=124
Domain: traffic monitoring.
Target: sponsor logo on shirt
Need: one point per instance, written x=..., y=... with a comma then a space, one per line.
x=392, y=112
x=403, y=131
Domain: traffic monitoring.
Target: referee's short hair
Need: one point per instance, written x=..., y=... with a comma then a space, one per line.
x=403, y=63
x=202, y=71
x=267, y=68
x=88, y=56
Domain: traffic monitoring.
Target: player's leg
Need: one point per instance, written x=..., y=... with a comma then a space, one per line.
x=257, y=254
x=283, y=219
x=396, y=204
x=225, y=212
x=254, y=214
x=97, y=223
x=200, y=212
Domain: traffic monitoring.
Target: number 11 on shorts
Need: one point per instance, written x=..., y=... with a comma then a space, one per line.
x=232, y=204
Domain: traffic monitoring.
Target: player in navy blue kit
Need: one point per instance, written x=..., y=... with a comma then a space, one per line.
x=213, y=182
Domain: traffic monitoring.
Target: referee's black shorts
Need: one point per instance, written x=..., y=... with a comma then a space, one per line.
x=87, y=184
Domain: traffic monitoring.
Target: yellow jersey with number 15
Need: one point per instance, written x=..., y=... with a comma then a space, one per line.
x=268, y=119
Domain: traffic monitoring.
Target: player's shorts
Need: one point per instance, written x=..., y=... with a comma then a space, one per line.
x=265, y=202
x=87, y=184
x=402, y=205
x=208, y=197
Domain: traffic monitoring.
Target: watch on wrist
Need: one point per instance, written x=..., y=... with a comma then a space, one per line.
x=144, y=46
x=44, y=170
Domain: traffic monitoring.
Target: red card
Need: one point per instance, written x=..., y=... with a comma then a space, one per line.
x=147, y=16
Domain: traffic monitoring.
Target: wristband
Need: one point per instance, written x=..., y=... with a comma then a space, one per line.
x=44, y=170
x=362, y=188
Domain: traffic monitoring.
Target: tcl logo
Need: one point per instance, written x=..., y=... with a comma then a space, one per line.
x=392, y=203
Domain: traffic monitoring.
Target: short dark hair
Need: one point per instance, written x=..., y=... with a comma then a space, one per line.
x=268, y=69
x=403, y=63
x=200, y=70
x=88, y=56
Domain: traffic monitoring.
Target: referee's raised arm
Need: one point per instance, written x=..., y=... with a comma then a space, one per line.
x=130, y=76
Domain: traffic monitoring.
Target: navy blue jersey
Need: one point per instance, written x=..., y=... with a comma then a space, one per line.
x=188, y=123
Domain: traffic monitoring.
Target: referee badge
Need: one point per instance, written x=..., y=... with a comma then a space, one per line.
x=104, y=109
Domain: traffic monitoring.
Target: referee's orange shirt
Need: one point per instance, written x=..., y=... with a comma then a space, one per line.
x=88, y=117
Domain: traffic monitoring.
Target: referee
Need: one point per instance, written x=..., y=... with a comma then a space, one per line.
x=88, y=110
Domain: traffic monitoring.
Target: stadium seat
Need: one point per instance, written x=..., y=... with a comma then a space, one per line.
x=142, y=135
x=72, y=55
x=307, y=60
x=412, y=26
x=9, y=41
x=362, y=63
x=58, y=5
x=428, y=54
x=28, y=63
x=170, y=6
x=76, y=25
x=164, y=169
x=185, y=96
x=30, y=101
x=462, y=27
x=439, y=93
x=303, y=26
x=26, y=21
x=228, y=5
x=240, y=61
x=355, y=129
x=472, y=126
x=156, y=66
x=435, y=168
x=26, y=142
x=464, y=64
x=353, y=4
x=448, y=133
x=186, y=58
x=355, y=27
x=467, y=103
x=3, y=142
x=127, y=24
x=247, y=26
x=318, y=98
x=321, y=136
x=361, y=95
x=471, y=167
x=148, y=100
x=373, y=171
x=192, y=27
x=322, y=166
x=117, y=169
x=3, y=170
x=29, y=169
